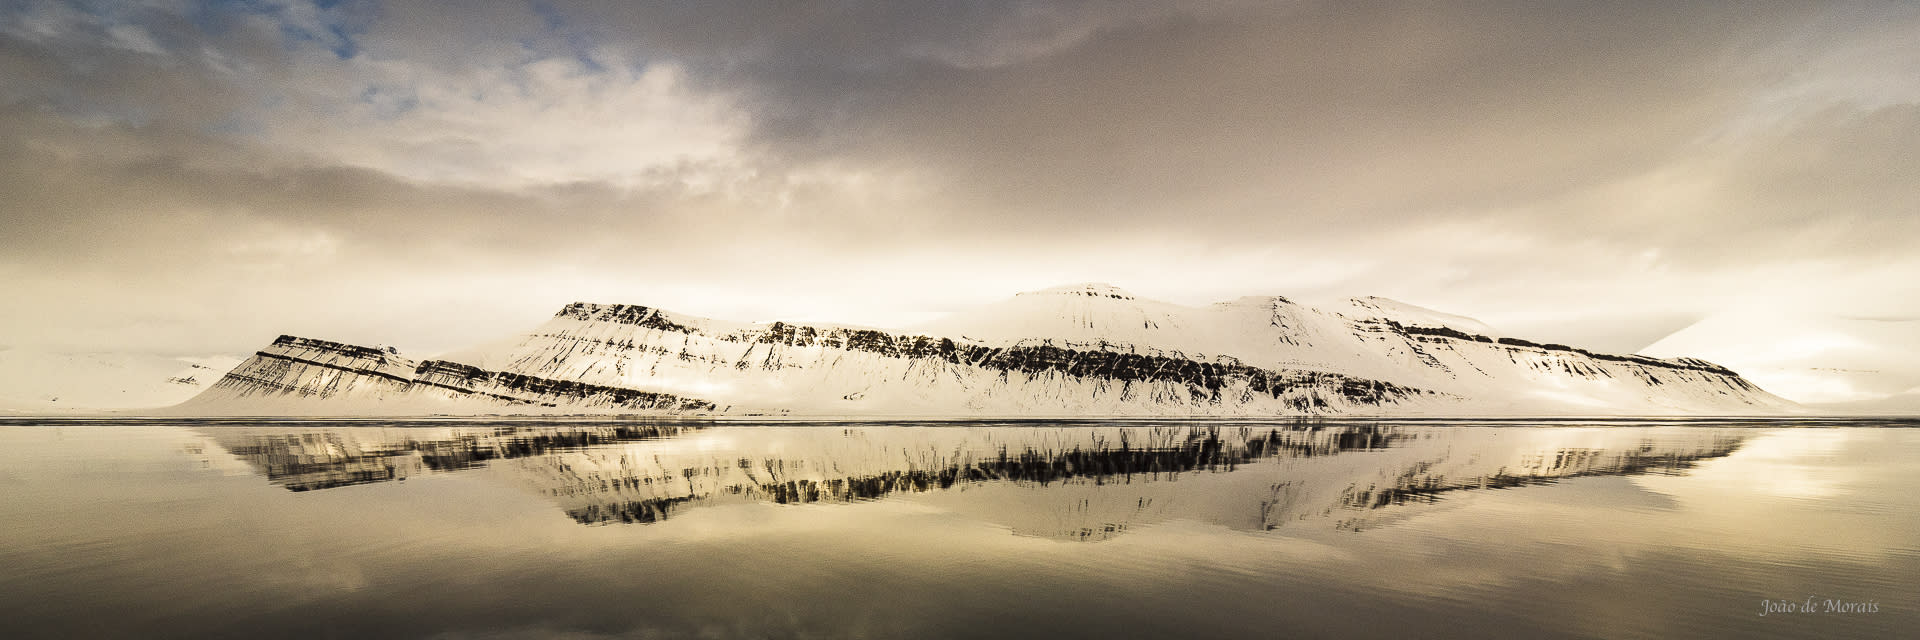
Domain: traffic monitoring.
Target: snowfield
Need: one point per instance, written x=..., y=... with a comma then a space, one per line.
x=1838, y=364
x=1077, y=350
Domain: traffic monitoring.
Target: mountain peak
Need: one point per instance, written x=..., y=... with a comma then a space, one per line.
x=1088, y=289
x=1378, y=308
x=1255, y=301
x=1078, y=349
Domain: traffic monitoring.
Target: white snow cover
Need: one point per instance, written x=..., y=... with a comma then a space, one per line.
x=1088, y=349
x=1377, y=308
x=1871, y=364
x=300, y=376
x=48, y=382
x=293, y=379
x=1081, y=314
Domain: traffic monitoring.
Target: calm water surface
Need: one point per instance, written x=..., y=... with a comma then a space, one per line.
x=1388, y=529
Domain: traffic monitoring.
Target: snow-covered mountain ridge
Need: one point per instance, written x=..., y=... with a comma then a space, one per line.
x=297, y=375
x=1075, y=350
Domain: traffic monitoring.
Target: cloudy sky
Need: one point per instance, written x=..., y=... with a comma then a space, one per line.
x=197, y=177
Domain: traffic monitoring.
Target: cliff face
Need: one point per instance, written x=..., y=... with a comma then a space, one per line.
x=304, y=376
x=294, y=367
x=1531, y=376
x=1097, y=350
x=1079, y=350
x=831, y=370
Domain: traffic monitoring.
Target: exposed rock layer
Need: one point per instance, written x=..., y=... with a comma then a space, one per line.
x=293, y=372
x=1083, y=350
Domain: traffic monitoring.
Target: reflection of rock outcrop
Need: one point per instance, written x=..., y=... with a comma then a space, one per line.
x=1421, y=484
x=1074, y=482
x=323, y=458
x=308, y=461
x=599, y=489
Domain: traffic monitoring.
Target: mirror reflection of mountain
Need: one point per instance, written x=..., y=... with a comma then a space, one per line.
x=304, y=459
x=1061, y=480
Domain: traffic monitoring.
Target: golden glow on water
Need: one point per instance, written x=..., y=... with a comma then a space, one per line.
x=1370, y=529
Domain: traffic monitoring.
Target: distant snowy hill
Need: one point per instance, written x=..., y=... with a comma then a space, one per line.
x=43, y=382
x=1078, y=350
x=1868, y=364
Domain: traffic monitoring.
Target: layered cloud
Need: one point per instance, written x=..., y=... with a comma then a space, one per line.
x=193, y=176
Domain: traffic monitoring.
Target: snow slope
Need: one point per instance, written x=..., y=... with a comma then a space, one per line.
x=1078, y=350
x=304, y=376
x=1872, y=363
x=43, y=382
x=1371, y=338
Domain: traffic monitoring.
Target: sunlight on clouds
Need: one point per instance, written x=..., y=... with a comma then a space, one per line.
x=547, y=121
x=286, y=245
x=861, y=185
x=1839, y=61
x=1544, y=176
x=134, y=39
